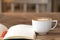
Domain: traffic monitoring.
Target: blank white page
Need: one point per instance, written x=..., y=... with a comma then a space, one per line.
x=20, y=31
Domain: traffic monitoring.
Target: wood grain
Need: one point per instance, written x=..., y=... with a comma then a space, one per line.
x=11, y=18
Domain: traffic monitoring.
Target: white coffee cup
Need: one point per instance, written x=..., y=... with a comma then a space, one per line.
x=43, y=25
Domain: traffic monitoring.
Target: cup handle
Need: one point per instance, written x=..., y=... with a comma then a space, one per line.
x=55, y=24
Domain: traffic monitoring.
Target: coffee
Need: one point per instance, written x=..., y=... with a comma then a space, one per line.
x=42, y=19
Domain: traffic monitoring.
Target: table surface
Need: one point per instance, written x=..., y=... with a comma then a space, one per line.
x=52, y=35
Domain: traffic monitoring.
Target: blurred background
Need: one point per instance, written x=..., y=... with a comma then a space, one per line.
x=30, y=5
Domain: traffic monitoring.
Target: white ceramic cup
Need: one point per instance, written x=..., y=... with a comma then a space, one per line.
x=43, y=25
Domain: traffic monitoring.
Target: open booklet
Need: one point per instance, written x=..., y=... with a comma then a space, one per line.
x=21, y=31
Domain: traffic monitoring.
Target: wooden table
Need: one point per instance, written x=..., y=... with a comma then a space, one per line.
x=10, y=19
x=52, y=35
